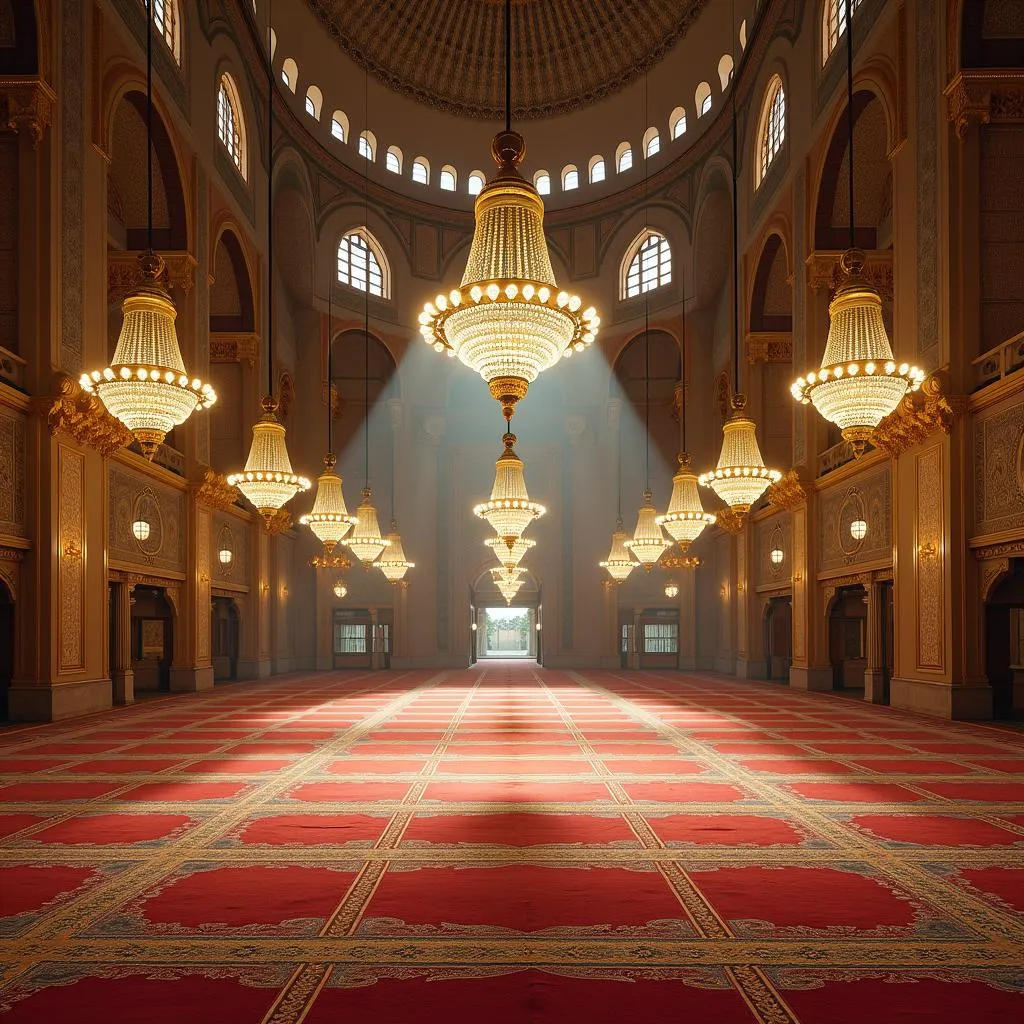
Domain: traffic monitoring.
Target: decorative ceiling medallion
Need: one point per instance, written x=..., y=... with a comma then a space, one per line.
x=566, y=55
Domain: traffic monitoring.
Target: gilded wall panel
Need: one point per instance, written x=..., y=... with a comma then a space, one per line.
x=71, y=579
x=999, y=470
x=231, y=535
x=799, y=526
x=203, y=531
x=930, y=609
x=12, y=474
x=774, y=534
x=132, y=497
x=867, y=499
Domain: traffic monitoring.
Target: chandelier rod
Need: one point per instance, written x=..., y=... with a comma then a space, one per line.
x=849, y=110
x=647, y=316
x=330, y=369
x=366, y=296
x=682, y=376
x=508, y=65
x=270, y=204
x=149, y=125
x=735, y=224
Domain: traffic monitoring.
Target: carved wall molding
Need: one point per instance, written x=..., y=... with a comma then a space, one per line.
x=279, y=522
x=866, y=497
x=918, y=416
x=769, y=347
x=10, y=569
x=837, y=583
x=124, y=275
x=789, y=493
x=992, y=571
x=27, y=102
x=728, y=521
x=133, y=495
x=212, y=488
x=233, y=348
x=1006, y=549
x=984, y=96
x=824, y=271
x=82, y=417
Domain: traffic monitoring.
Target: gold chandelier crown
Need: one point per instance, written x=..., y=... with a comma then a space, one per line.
x=329, y=518
x=508, y=320
x=740, y=477
x=146, y=385
x=393, y=563
x=267, y=480
x=619, y=563
x=510, y=510
x=365, y=541
x=858, y=383
x=685, y=519
x=509, y=555
x=648, y=542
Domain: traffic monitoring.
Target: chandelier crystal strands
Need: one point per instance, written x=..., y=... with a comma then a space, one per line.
x=508, y=582
x=329, y=518
x=508, y=320
x=619, y=562
x=268, y=480
x=510, y=510
x=146, y=386
x=740, y=477
x=858, y=383
x=510, y=555
x=394, y=564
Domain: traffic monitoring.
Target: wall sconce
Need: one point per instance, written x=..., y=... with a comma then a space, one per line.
x=340, y=590
x=724, y=592
x=226, y=556
x=284, y=589
x=858, y=529
x=140, y=530
x=472, y=626
x=71, y=551
x=204, y=577
x=264, y=587
x=537, y=627
x=671, y=590
x=927, y=550
x=798, y=577
x=777, y=556
x=740, y=587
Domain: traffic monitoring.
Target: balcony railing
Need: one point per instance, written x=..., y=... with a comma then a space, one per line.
x=12, y=368
x=999, y=362
x=834, y=457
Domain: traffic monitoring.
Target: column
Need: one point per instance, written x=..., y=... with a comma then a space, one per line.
x=874, y=674
x=688, y=619
x=121, y=671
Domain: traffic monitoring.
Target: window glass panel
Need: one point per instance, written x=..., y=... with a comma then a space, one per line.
x=661, y=638
x=358, y=266
x=350, y=638
x=475, y=184
x=679, y=126
x=570, y=180
x=310, y=106
x=651, y=266
x=653, y=145
x=447, y=181
x=365, y=149
x=393, y=164
x=625, y=160
x=597, y=171
x=419, y=172
x=337, y=129
x=543, y=184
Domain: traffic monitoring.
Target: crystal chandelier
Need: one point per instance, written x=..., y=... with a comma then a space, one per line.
x=685, y=519
x=508, y=582
x=365, y=541
x=858, y=383
x=339, y=588
x=509, y=555
x=510, y=510
x=648, y=543
x=146, y=386
x=671, y=590
x=393, y=562
x=267, y=480
x=619, y=563
x=508, y=320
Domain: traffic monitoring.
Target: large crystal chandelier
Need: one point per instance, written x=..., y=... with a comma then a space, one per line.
x=619, y=563
x=858, y=383
x=648, y=543
x=393, y=562
x=268, y=480
x=509, y=555
x=685, y=519
x=508, y=582
x=510, y=510
x=146, y=385
x=365, y=541
x=508, y=320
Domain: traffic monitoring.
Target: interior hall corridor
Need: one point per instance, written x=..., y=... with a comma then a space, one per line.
x=512, y=844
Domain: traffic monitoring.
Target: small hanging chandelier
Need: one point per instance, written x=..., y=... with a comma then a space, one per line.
x=740, y=477
x=509, y=555
x=267, y=480
x=339, y=588
x=858, y=383
x=685, y=519
x=508, y=582
x=365, y=541
x=146, y=386
x=508, y=320
x=671, y=590
x=648, y=542
x=619, y=562
x=393, y=562
x=510, y=510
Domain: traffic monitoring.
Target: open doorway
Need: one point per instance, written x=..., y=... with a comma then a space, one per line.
x=847, y=638
x=507, y=632
x=6, y=646
x=778, y=637
x=152, y=640
x=224, y=637
x=1004, y=643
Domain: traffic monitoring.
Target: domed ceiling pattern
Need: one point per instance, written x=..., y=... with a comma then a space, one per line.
x=449, y=54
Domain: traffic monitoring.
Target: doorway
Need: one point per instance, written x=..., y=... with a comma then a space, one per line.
x=1004, y=644
x=847, y=638
x=152, y=640
x=224, y=637
x=352, y=638
x=6, y=646
x=507, y=632
x=778, y=638
x=658, y=630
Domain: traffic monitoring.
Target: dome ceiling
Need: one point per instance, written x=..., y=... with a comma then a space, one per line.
x=450, y=53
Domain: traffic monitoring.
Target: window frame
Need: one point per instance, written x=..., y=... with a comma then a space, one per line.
x=421, y=170
x=634, y=257
x=833, y=25
x=362, y=238
x=228, y=90
x=771, y=128
x=570, y=178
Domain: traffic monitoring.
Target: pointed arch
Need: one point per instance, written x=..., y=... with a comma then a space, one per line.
x=771, y=128
x=363, y=264
x=231, y=124
x=646, y=264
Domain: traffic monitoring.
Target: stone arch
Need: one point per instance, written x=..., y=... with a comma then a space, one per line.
x=771, y=296
x=232, y=305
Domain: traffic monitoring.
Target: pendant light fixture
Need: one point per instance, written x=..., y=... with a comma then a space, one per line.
x=858, y=383
x=508, y=320
x=267, y=480
x=740, y=477
x=393, y=562
x=365, y=541
x=508, y=582
x=510, y=510
x=146, y=386
x=509, y=556
x=329, y=518
x=685, y=519
x=619, y=562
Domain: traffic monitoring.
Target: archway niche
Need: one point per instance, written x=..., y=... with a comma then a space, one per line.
x=152, y=618
x=1004, y=643
x=778, y=637
x=7, y=641
x=847, y=638
x=224, y=637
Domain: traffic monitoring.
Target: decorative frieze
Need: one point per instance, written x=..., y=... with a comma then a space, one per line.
x=12, y=474
x=867, y=500
x=999, y=470
x=234, y=348
x=919, y=415
x=27, y=104
x=985, y=96
x=769, y=347
x=124, y=274
x=133, y=497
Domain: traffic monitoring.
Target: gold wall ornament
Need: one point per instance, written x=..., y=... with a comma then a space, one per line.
x=27, y=103
x=233, y=347
x=212, y=488
x=331, y=561
x=125, y=275
x=83, y=417
x=729, y=521
x=788, y=493
x=671, y=561
x=917, y=417
x=279, y=521
x=825, y=271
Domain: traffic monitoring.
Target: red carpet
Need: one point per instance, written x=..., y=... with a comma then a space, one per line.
x=510, y=845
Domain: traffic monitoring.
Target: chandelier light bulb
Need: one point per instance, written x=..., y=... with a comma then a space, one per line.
x=648, y=543
x=508, y=321
x=146, y=385
x=741, y=476
x=685, y=519
x=393, y=562
x=510, y=510
x=858, y=383
x=329, y=518
x=365, y=541
x=619, y=562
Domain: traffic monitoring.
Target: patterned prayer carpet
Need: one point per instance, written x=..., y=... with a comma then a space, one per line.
x=510, y=844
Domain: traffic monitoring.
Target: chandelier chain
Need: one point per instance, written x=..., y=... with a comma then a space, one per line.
x=849, y=110
x=149, y=125
x=270, y=202
x=735, y=221
x=330, y=367
x=682, y=378
x=366, y=296
x=508, y=65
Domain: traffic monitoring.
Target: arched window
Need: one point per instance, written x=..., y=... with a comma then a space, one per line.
x=771, y=129
x=339, y=125
x=314, y=101
x=230, y=126
x=833, y=25
x=393, y=160
x=421, y=170
x=597, y=169
x=623, y=157
x=475, y=183
x=647, y=264
x=368, y=145
x=449, y=179
x=677, y=123
x=725, y=70
x=570, y=178
x=702, y=99
x=167, y=25
x=652, y=142
x=542, y=183
x=362, y=264
x=743, y=34
x=290, y=73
